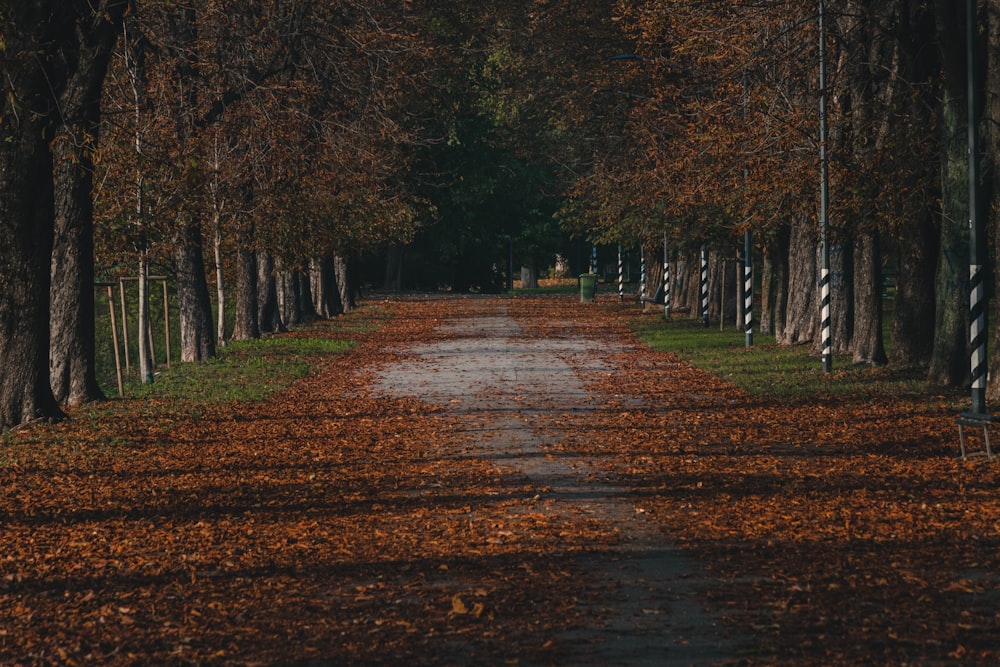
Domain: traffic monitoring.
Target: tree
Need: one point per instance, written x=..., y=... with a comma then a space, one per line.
x=71, y=301
x=51, y=52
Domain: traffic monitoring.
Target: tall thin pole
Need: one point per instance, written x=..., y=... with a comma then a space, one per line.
x=977, y=236
x=704, y=286
x=748, y=288
x=747, y=244
x=642, y=272
x=666, y=277
x=114, y=340
x=826, y=339
x=621, y=275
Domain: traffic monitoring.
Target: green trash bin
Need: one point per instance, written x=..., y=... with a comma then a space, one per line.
x=588, y=286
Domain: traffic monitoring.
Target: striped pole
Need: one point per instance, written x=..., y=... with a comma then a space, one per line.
x=978, y=333
x=621, y=276
x=826, y=338
x=704, y=286
x=642, y=272
x=748, y=288
x=977, y=336
x=666, y=278
x=593, y=260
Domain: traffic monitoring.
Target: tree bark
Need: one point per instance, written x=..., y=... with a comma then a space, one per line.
x=306, y=306
x=323, y=287
x=143, y=326
x=841, y=296
x=991, y=166
x=342, y=271
x=246, y=326
x=193, y=303
x=774, y=284
x=268, y=315
x=71, y=296
x=802, y=319
x=55, y=53
x=950, y=358
x=220, y=279
x=867, y=344
x=287, y=282
x=913, y=306
x=27, y=212
x=654, y=277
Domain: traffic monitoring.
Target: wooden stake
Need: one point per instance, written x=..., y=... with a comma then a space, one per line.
x=114, y=339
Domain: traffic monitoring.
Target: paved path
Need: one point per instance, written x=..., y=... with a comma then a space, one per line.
x=517, y=393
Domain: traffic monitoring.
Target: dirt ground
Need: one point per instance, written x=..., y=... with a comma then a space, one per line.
x=510, y=389
x=500, y=481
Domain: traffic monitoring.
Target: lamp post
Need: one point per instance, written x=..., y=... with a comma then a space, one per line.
x=826, y=343
x=978, y=332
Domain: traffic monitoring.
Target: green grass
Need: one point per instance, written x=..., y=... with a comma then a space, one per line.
x=767, y=369
x=243, y=371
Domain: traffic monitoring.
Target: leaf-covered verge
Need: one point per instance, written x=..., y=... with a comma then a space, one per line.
x=318, y=524
x=325, y=523
x=838, y=524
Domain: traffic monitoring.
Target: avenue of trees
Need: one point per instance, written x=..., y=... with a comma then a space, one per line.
x=255, y=151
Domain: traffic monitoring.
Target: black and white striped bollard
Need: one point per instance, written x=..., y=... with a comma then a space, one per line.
x=704, y=286
x=666, y=278
x=748, y=290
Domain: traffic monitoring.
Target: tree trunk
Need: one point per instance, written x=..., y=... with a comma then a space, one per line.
x=342, y=271
x=680, y=276
x=322, y=284
x=246, y=326
x=71, y=296
x=841, y=296
x=991, y=166
x=27, y=212
x=306, y=297
x=802, y=318
x=268, y=316
x=220, y=280
x=143, y=326
x=71, y=346
x=950, y=359
x=913, y=309
x=654, y=278
x=867, y=344
x=287, y=280
x=774, y=284
x=47, y=45
x=193, y=303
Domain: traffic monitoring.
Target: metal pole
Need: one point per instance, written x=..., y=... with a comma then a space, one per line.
x=826, y=340
x=704, y=286
x=747, y=244
x=666, y=277
x=977, y=253
x=748, y=288
x=621, y=275
x=642, y=272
